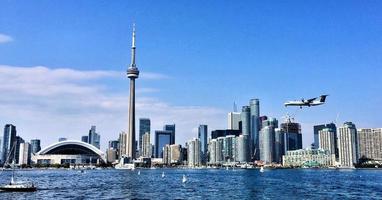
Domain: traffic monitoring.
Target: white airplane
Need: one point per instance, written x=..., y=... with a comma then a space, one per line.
x=310, y=102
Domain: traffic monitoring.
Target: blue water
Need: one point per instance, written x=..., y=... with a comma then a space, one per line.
x=202, y=184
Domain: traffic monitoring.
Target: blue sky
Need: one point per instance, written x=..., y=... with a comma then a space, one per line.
x=198, y=57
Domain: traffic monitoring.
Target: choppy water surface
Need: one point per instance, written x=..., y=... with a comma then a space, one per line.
x=201, y=184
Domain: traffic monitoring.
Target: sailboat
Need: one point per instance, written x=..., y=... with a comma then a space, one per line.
x=261, y=169
x=139, y=172
x=16, y=186
x=184, y=179
x=163, y=175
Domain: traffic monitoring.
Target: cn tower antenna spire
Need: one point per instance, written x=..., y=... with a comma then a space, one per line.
x=133, y=47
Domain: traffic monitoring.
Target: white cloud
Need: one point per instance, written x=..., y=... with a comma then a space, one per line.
x=49, y=103
x=5, y=38
x=153, y=76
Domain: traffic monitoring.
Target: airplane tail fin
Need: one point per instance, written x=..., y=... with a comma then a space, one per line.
x=323, y=98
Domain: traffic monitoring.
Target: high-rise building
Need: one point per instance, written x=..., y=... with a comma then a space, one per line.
x=219, y=150
x=212, y=151
x=326, y=140
x=1, y=149
x=171, y=128
x=266, y=144
x=132, y=74
x=222, y=133
x=114, y=144
x=35, y=146
x=309, y=158
x=242, y=148
x=176, y=154
x=255, y=127
x=94, y=138
x=229, y=148
x=317, y=128
x=25, y=154
x=85, y=138
x=193, y=153
x=123, y=144
x=111, y=155
x=146, y=145
x=202, y=135
x=233, y=120
x=9, y=138
x=279, y=146
x=347, y=145
x=370, y=143
x=245, y=117
x=292, y=135
x=144, y=127
x=161, y=139
x=19, y=140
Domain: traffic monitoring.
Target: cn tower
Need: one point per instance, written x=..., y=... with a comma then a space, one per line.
x=132, y=74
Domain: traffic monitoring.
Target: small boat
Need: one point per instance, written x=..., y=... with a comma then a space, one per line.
x=184, y=179
x=261, y=169
x=14, y=186
x=139, y=172
x=163, y=175
x=226, y=168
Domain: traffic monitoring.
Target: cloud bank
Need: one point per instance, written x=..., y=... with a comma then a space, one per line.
x=5, y=38
x=48, y=103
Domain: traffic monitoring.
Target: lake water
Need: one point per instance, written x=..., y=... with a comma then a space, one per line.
x=201, y=184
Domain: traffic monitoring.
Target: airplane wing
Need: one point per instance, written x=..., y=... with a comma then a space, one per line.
x=311, y=100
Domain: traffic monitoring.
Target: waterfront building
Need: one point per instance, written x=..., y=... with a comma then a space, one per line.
x=229, y=148
x=25, y=154
x=19, y=140
x=175, y=154
x=222, y=133
x=292, y=135
x=1, y=149
x=193, y=153
x=316, y=130
x=370, y=143
x=309, y=158
x=266, y=146
x=255, y=127
x=202, y=135
x=94, y=138
x=347, y=145
x=166, y=155
x=161, y=139
x=9, y=138
x=111, y=155
x=69, y=152
x=132, y=74
x=242, y=148
x=212, y=151
x=279, y=146
x=35, y=146
x=219, y=150
x=146, y=145
x=245, y=118
x=171, y=128
x=114, y=144
x=327, y=138
x=123, y=144
x=85, y=138
x=233, y=120
x=144, y=127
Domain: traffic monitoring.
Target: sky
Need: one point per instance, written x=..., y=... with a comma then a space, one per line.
x=63, y=64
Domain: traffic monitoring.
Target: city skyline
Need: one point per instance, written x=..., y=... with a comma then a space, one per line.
x=82, y=82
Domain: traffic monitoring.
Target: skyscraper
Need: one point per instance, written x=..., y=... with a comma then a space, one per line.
x=326, y=140
x=9, y=138
x=255, y=114
x=123, y=141
x=233, y=120
x=212, y=151
x=18, y=141
x=202, y=135
x=146, y=145
x=292, y=135
x=244, y=142
x=193, y=153
x=35, y=146
x=171, y=128
x=144, y=127
x=85, y=138
x=94, y=138
x=266, y=144
x=132, y=74
x=24, y=154
x=161, y=139
x=317, y=128
x=1, y=149
x=242, y=148
x=347, y=144
x=369, y=143
x=114, y=144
